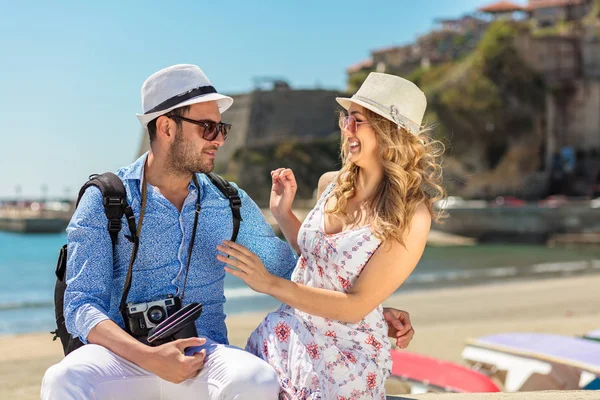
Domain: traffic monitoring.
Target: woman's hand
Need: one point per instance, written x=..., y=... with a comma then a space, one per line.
x=283, y=191
x=249, y=267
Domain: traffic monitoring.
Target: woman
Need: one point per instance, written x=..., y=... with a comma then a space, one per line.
x=362, y=240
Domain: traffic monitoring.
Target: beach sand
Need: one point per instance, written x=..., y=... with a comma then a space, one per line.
x=442, y=318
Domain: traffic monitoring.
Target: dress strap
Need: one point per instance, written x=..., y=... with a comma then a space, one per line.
x=327, y=190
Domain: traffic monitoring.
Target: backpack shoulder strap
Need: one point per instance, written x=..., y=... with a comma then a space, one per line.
x=235, y=203
x=114, y=198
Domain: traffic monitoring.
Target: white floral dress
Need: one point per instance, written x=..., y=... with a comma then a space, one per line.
x=315, y=357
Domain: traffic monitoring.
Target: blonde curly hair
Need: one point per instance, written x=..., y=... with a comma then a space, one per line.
x=412, y=175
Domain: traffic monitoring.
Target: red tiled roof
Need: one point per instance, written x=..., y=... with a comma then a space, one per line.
x=502, y=6
x=535, y=4
x=360, y=65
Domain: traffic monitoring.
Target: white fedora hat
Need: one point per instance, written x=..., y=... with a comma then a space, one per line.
x=392, y=97
x=178, y=86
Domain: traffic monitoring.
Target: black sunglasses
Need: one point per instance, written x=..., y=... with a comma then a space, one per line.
x=211, y=128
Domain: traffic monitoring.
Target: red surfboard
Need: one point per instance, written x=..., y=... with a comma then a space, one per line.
x=438, y=375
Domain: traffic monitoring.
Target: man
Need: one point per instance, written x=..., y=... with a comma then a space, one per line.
x=182, y=112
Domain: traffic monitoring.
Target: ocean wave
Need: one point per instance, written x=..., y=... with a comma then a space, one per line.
x=504, y=272
x=16, y=305
x=231, y=294
x=464, y=275
x=237, y=293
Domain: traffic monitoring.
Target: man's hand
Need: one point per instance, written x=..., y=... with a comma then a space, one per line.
x=399, y=326
x=169, y=362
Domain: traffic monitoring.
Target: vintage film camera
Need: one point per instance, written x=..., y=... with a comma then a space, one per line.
x=162, y=321
x=142, y=317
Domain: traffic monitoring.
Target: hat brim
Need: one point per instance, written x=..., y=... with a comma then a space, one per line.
x=223, y=102
x=347, y=102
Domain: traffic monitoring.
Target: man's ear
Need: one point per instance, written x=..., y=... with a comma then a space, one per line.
x=165, y=127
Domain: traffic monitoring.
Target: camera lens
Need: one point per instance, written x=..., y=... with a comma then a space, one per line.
x=156, y=314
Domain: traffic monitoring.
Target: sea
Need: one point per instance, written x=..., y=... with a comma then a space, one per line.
x=28, y=261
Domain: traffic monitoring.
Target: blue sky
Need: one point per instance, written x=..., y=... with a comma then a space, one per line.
x=71, y=71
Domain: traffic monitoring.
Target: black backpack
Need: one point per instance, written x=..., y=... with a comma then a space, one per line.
x=115, y=206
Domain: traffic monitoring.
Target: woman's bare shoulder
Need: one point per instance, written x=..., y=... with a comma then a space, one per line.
x=421, y=218
x=324, y=181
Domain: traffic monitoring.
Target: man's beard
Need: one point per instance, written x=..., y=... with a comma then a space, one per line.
x=183, y=160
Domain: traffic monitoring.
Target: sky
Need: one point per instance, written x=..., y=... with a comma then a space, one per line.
x=71, y=71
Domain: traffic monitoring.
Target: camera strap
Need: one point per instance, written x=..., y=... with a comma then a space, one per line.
x=191, y=247
x=136, y=242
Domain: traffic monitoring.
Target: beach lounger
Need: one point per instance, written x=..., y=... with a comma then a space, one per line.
x=536, y=361
x=594, y=335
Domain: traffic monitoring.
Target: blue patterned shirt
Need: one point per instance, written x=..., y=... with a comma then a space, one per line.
x=95, y=283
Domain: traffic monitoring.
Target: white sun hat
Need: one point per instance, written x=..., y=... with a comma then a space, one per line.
x=392, y=97
x=177, y=86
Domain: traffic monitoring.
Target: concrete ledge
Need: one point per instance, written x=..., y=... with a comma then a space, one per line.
x=542, y=395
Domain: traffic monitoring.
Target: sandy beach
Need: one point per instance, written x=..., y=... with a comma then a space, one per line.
x=442, y=318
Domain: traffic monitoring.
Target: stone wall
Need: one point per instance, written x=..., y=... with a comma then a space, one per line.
x=576, y=115
x=570, y=67
x=590, y=53
x=238, y=116
x=285, y=114
x=529, y=222
x=557, y=58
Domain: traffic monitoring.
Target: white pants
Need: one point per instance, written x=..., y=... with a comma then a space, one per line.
x=94, y=372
